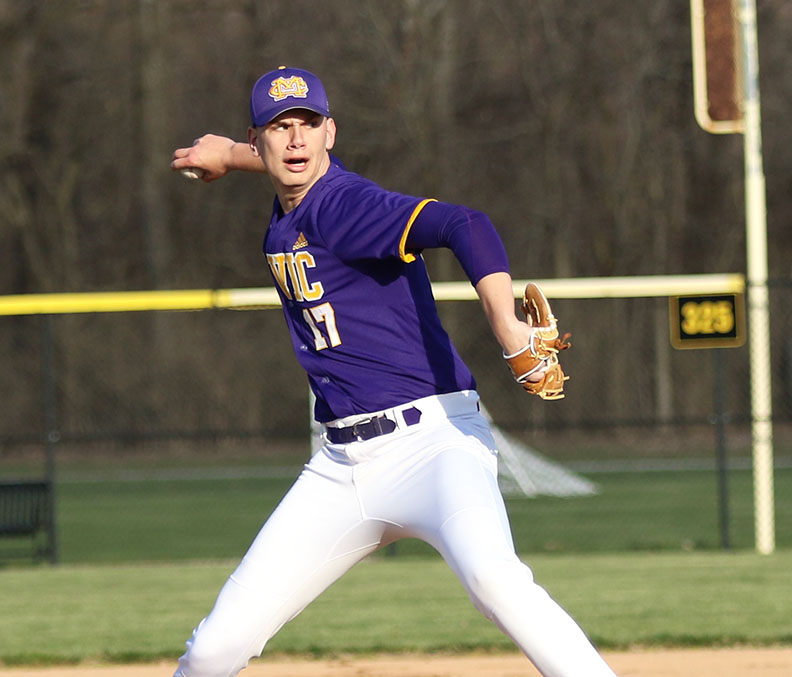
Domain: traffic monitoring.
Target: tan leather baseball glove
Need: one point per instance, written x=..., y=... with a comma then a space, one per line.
x=541, y=353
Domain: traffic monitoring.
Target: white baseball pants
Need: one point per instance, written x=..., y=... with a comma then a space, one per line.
x=436, y=481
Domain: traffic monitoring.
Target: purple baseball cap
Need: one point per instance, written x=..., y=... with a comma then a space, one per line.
x=286, y=89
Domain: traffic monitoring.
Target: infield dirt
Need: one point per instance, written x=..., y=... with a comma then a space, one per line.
x=728, y=662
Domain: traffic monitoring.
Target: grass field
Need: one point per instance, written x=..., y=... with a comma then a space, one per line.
x=143, y=556
x=169, y=520
x=126, y=613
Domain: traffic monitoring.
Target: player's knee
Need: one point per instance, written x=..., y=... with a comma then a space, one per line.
x=492, y=583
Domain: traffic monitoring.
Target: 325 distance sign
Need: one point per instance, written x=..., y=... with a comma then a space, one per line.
x=715, y=321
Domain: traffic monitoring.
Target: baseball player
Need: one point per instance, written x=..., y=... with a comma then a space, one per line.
x=406, y=451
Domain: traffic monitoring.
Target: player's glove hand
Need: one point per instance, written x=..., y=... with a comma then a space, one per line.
x=540, y=356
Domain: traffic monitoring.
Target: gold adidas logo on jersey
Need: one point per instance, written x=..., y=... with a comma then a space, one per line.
x=301, y=243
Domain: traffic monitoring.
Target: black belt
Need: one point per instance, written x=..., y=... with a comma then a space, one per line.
x=374, y=427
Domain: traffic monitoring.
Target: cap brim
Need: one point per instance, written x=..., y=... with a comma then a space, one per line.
x=313, y=109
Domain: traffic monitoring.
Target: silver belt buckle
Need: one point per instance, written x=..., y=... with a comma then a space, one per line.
x=355, y=429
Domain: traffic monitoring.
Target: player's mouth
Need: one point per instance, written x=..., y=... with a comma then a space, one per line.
x=296, y=164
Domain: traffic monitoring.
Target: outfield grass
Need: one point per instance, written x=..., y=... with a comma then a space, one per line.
x=144, y=612
x=115, y=521
x=638, y=563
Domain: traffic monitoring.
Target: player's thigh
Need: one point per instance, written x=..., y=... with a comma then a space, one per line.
x=318, y=521
x=459, y=508
x=471, y=514
x=460, y=481
x=440, y=476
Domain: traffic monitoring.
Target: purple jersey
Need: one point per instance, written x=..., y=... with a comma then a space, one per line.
x=358, y=305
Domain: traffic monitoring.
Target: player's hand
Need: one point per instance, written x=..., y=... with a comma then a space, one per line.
x=518, y=336
x=212, y=154
x=513, y=333
x=540, y=355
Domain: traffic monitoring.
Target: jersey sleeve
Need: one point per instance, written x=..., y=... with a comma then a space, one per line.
x=360, y=220
x=468, y=233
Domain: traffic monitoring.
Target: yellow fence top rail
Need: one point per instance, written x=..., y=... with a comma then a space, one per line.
x=267, y=297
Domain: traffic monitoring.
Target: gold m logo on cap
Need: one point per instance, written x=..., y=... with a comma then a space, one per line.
x=282, y=88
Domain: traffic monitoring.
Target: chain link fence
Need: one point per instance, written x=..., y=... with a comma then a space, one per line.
x=211, y=409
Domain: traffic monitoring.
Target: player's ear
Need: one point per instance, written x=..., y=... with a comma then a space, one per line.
x=253, y=136
x=331, y=134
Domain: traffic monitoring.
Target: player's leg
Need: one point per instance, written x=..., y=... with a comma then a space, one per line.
x=312, y=538
x=450, y=498
x=504, y=590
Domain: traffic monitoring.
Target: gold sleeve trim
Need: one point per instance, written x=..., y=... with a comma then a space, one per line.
x=406, y=256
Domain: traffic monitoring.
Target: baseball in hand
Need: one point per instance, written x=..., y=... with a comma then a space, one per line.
x=193, y=173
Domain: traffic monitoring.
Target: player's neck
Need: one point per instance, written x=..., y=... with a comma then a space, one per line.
x=290, y=198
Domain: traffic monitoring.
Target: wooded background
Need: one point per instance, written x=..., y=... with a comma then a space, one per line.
x=569, y=122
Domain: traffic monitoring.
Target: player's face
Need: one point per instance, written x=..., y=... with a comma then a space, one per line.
x=294, y=148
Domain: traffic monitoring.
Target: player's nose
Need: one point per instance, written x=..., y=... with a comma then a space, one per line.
x=297, y=139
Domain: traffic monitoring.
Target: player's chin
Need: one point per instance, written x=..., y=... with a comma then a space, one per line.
x=293, y=179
